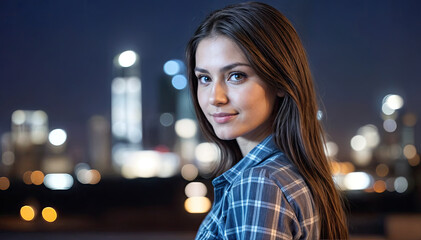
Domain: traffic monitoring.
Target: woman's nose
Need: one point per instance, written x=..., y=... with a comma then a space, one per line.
x=218, y=95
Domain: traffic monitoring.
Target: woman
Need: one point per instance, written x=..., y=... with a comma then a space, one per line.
x=254, y=97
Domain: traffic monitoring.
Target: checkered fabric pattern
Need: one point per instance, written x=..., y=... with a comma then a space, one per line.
x=262, y=197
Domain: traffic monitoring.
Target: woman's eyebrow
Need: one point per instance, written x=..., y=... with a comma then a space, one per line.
x=223, y=69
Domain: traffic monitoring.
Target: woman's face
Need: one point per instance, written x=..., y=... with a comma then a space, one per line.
x=233, y=98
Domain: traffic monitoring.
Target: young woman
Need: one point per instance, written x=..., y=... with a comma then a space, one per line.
x=254, y=97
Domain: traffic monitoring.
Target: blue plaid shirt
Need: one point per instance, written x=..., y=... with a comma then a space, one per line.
x=262, y=197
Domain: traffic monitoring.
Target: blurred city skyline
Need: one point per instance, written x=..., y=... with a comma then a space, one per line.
x=57, y=57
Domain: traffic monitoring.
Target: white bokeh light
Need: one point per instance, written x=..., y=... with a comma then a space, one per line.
x=400, y=184
x=393, y=101
x=127, y=58
x=195, y=189
x=206, y=152
x=58, y=181
x=331, y=149
x=358, y=143
x=185, y=128
x=57, y=137
x=18, y=117
x=357, y=181
x=387, y=110
x=371, y=135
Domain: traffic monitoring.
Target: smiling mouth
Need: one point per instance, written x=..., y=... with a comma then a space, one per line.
x=223, y=117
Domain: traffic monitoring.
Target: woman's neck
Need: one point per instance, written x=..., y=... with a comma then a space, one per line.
x=246, y=145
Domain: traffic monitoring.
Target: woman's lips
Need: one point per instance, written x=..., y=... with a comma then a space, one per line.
x=223, y=117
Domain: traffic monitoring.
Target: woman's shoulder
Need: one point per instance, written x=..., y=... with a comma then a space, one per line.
x=279, y=171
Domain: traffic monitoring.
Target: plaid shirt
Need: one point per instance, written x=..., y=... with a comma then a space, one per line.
x=262, y=197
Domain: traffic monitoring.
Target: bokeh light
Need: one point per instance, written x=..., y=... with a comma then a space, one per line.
x=27, y=177
x=57, y=137
x=197, y=204
x=389, y=125
x=387, y=110
x=4, y=183
x=83, y=176
x=58, y=181
x=185, y=128
x=37, y=177
x=358, y=143
x=409, y=151
x=172, y=67
x=382, y=170
x=95, y=176
x=88, y=176
x=179, y=82
x=166, y=119
x=357, y=181
x=206, y=152
x=393, y=101
x=331, y=149
x=195, y=189
x=27, y=213
x=8, y=158
x=49, y=214
x=341, y=167
x=401, y=184
x=189, y=172
x=371, y=135
x=127, y=58
x=18, y=117
x=141, y=164
x=379, y=186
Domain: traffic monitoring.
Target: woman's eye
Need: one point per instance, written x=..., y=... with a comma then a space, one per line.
x=237, y=77
x=203, y=79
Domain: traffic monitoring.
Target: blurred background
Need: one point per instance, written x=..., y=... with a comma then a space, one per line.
x=99, y=140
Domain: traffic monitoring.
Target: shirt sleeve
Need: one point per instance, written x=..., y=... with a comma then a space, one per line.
x=258, y=209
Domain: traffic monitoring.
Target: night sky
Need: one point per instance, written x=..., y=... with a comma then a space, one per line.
x=57, y=56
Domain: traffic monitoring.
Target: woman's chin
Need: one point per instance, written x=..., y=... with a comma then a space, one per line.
x=225, y=136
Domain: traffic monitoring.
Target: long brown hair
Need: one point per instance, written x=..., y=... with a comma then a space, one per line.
x=274, y=50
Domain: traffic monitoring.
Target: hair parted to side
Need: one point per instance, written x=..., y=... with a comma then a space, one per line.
x=274, y=50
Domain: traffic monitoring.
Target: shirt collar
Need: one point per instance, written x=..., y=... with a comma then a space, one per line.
x=259, y=153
